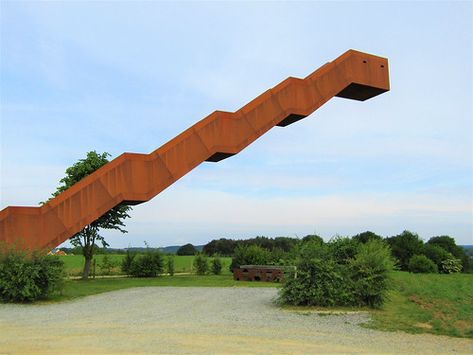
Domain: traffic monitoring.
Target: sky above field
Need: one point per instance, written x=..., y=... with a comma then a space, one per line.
x=129, y=76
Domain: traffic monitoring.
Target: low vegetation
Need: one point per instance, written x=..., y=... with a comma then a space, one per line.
x=28, y=277
x=201, y=264
x=149, y=264
x=340, y=273
x=180, y=264
x=360, y=272
x=428, y=303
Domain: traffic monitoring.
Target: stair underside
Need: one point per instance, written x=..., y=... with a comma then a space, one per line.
x=136, y=178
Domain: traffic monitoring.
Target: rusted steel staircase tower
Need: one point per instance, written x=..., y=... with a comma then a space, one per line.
x=135, y=178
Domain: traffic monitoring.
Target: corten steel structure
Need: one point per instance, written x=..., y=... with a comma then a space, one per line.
x=135, y=178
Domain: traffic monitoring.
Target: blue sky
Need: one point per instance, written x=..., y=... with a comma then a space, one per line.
x=129, y=76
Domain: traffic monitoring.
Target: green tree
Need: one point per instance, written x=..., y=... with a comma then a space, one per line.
x=89, y=236
x=448, y=243
x=313, y=238
x=437, y=254
x=404, y=246
x=250, y=255
x=187, y=249
x=367, y=236
x=222, y=246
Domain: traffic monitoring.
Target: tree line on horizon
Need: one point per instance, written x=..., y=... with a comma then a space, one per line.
x=438, y=254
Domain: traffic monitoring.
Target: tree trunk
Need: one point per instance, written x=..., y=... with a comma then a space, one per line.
x=88, y=262
x=87, y=251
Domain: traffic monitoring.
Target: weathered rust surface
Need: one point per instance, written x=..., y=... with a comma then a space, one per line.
x=136, y=178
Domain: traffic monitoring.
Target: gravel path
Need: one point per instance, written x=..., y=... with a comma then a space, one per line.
x=198, y=320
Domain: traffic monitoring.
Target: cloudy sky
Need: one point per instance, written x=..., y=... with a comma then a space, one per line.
x=129, y=76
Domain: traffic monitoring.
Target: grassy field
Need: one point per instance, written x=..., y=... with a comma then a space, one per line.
x=182, y=264
x=428, y=303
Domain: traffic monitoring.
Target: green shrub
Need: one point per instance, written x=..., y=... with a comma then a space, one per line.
x=448, y=243
x=170, y=265
x=324, y=278
x=26, y=278
x=451, y=266
x=201, y=264
x=319, y=282
x=371, y=273
x=343, y=249
x=216, y=266
x=422, y=264
x=149, y=264
x=107, y=265
x=127, y=262
x=436, y=253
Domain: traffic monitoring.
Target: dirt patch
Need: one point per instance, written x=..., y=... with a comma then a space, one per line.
x=463, y=325
x=423, y=325
x=420, y=302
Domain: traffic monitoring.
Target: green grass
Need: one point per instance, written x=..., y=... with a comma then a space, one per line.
x=182, y=264
x=428, y=303
x=78, y=288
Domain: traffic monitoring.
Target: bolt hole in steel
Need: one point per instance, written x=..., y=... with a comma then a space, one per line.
x=365, y=61
x=382, y=66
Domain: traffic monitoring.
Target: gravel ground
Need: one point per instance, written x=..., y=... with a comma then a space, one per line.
x=198, y=320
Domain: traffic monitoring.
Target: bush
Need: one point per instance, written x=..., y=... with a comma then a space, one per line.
x=448, y=244
x=451, y=266
x=107, y=265
x=343, y=249
x=170, y=265
x=127, y=262
x=201, y=264
x=422, y=264
x=149, y=264
x=26, y=278
x=370, y=273
x=319, y=282
x=216, y=266
x=326, y=279
x=436, y=253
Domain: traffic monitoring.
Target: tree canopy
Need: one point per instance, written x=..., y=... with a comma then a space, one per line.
x=187, y=249
x=87, y=238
